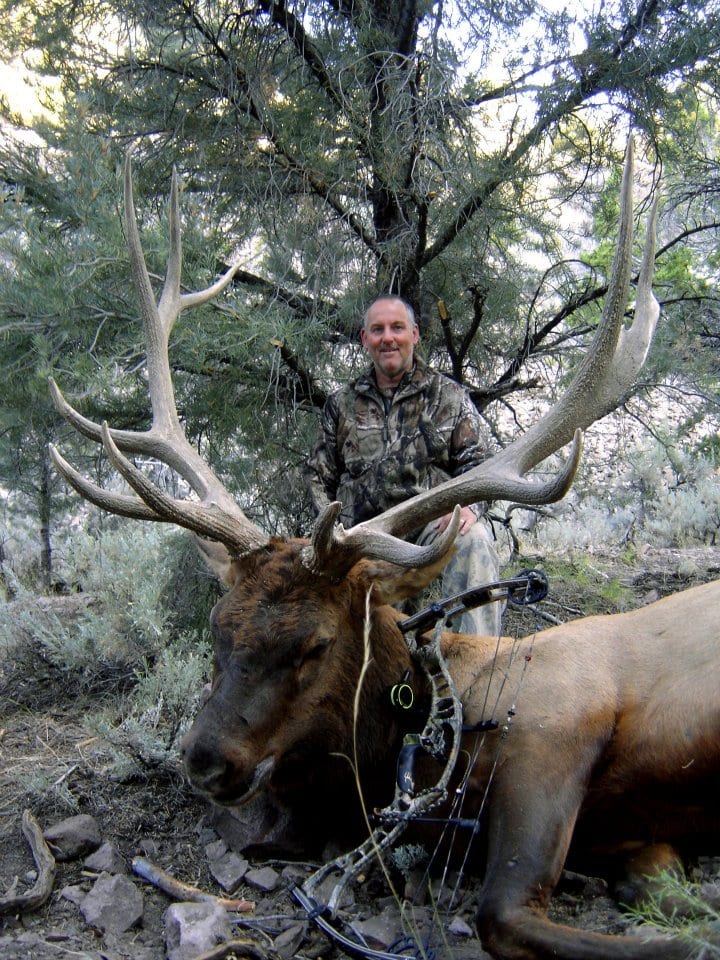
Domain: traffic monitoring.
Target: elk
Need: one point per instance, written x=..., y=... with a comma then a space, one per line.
x=616, y=737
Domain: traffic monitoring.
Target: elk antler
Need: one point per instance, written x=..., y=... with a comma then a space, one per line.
x=217, y=515
x=604, y=377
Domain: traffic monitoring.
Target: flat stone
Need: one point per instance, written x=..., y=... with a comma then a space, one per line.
x=192, y=929
x=461, y=928
x=381, y=930
x=256, y=824
x=229, y=870
x=263, y=878
x=294, y=873
x=74, y=893
x=149, y=848
x=215, y=849
x=114, y=904
x=73, y=837
x=106, y=859
x=286, y=944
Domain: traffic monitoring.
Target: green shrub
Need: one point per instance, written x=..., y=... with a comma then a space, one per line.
x=677, y=906
x=120, y=639
x=146, y=736
x=659, y=495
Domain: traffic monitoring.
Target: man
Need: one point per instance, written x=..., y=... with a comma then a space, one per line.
x=399, y=429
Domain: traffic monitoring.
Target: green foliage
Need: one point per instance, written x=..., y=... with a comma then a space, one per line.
x=677, y=907
x=650, y=492
x=121, y=626
x=574, y=572
x=120, y=636
x=686, y=515
x=408, y=857
x=37, y=783
x=146, y=737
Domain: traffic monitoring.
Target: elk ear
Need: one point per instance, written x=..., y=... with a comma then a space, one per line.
x=391, y=583
x=217, y=558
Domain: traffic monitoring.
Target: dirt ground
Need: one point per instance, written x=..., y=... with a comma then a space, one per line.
x=159, y=817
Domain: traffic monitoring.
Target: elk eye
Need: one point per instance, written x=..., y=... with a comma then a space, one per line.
x=315, y=651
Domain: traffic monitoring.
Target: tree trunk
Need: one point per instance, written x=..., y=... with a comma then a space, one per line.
x=45, y=513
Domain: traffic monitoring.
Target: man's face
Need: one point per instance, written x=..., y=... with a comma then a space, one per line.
x=389, y=337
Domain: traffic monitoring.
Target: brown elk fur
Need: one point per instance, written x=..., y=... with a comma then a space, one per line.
x=614, y=742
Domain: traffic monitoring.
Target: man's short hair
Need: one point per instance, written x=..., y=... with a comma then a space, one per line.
x=390, y=296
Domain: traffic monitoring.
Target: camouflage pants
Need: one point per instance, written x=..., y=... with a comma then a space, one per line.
x=475, y=563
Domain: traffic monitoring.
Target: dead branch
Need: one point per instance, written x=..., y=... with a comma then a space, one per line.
x=184, y=891
x=45, y=863
x=240, y=948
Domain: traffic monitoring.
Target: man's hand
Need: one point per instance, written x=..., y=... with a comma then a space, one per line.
x=467, y=520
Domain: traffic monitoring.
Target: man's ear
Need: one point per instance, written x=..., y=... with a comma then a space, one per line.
x=392, y=584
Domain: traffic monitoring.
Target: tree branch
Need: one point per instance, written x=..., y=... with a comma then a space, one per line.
x=596, y=69
x=304, y=47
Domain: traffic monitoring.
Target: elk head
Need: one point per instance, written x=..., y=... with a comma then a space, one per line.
x=289, y=632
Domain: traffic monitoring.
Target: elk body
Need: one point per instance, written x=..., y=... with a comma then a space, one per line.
x=616, y=738
x=614, y=743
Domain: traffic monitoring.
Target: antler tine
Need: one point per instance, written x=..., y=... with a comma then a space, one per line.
x=602, y=380
x=207, y=519
x=634, y=341
x=118, y=503
x=158, y=320
x=217, y=515
x=334, y=550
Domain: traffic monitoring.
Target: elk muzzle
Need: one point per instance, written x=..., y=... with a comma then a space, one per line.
x=223, y=775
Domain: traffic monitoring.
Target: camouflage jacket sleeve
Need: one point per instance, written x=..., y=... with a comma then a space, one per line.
x=468, y=447
x=322, y=470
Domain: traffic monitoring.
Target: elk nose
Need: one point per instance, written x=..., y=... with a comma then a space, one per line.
x=206, y=768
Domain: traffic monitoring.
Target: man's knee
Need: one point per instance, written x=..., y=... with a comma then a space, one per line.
x=477, y=548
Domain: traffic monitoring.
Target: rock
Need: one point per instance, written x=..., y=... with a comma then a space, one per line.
x=73, y=837
x=287, y=943
x=106, y=859
x=416, y=887
x=114, y=904
x=461, y=928
x=260, y=829
x=194, y=928
x=215, y=849
x=74, y=893
x=293, y=873
x=229, y=870
x=347, y=895
x=263, y=878
x=380, y=931
x=149, y=848
x=579, y=885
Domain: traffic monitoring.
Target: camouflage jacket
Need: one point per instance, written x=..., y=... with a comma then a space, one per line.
x=377, y=448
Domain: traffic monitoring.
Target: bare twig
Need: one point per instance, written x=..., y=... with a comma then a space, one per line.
x=184, y=891
x=45, y=863
x=240, y=948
